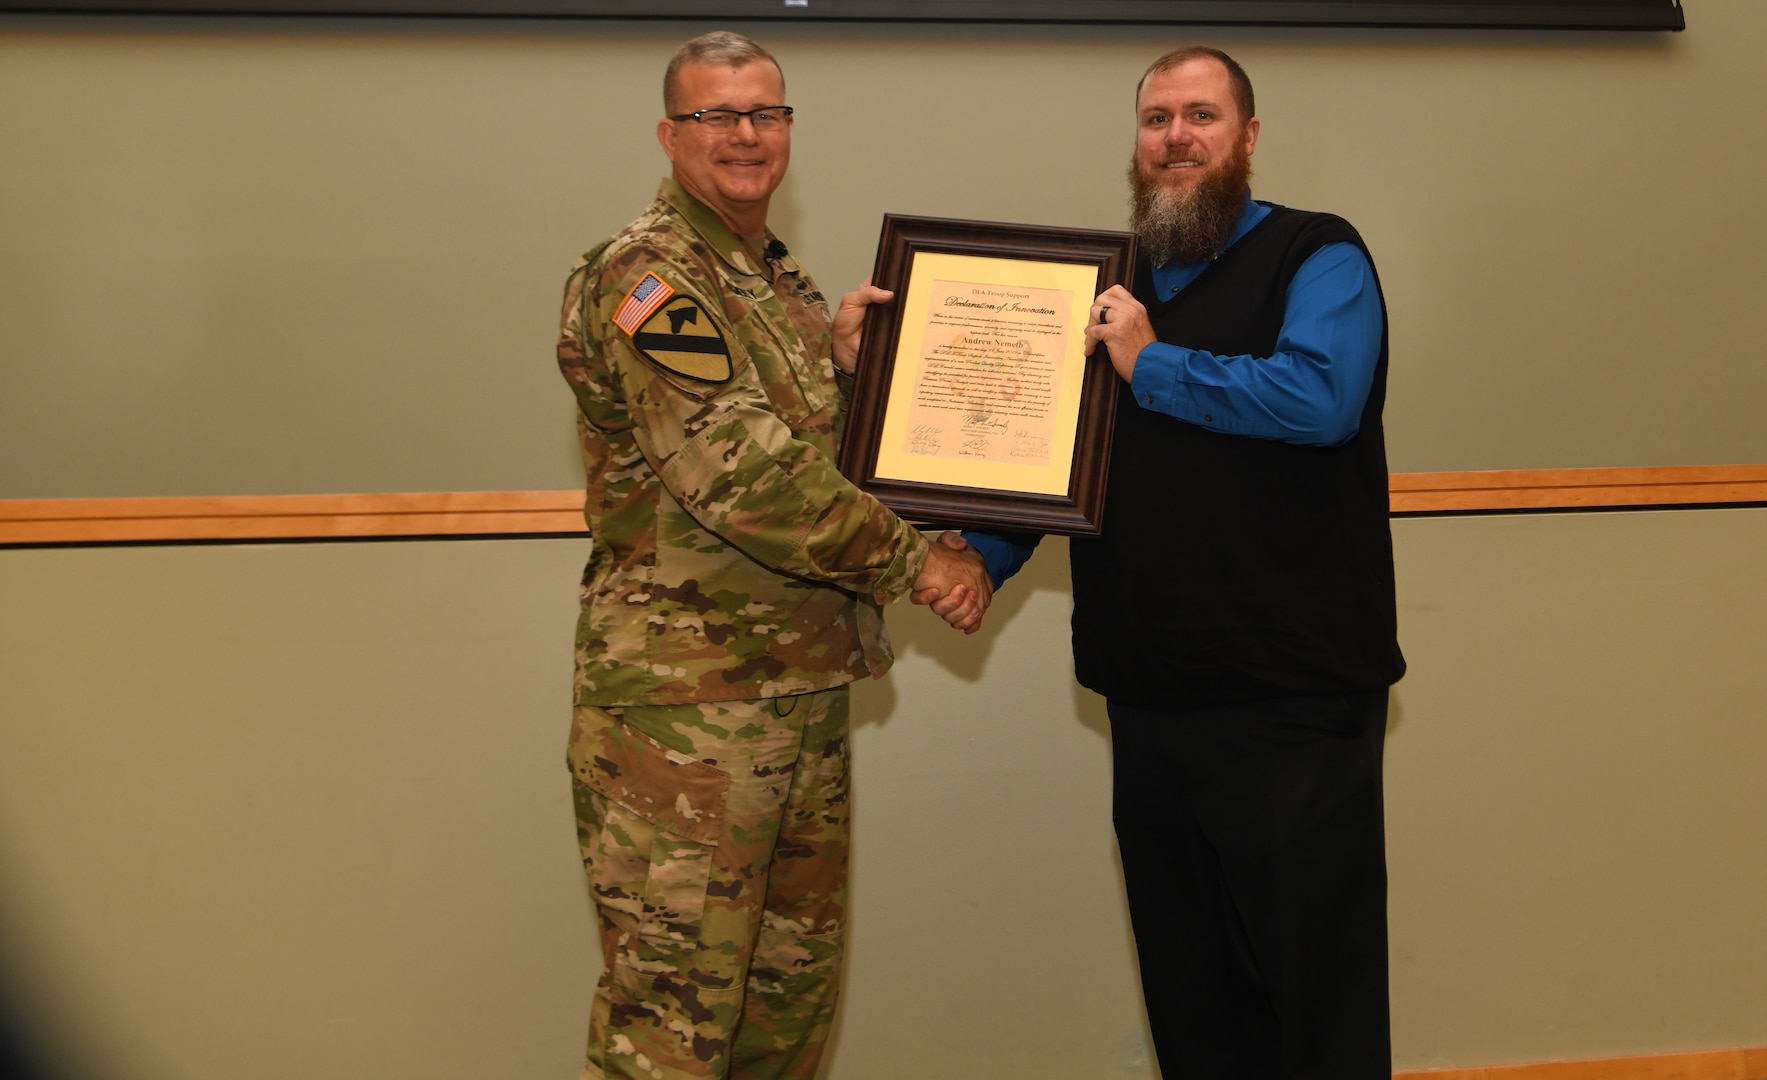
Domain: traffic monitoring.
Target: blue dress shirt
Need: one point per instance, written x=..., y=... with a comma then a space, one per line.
x=1310, y=391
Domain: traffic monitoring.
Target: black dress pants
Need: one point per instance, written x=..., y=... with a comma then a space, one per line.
x=1254, y=855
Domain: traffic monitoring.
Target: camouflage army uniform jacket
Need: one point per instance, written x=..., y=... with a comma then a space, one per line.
x=731, y=559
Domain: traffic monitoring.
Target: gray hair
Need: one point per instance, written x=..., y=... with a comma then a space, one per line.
x=718, y=47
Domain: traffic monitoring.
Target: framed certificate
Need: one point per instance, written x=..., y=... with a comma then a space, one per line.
x=975, y=403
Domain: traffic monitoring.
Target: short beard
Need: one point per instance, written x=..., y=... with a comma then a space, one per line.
x=1188, y=226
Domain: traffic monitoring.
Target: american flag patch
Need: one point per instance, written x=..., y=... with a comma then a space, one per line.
x=649, y=294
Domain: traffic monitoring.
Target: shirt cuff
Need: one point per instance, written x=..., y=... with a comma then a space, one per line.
x=1002, y=555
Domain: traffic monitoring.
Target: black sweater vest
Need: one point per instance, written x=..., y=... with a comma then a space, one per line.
x=1231, y=567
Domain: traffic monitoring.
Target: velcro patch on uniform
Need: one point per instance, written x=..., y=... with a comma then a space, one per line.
x=681, y=338
x=650, y=293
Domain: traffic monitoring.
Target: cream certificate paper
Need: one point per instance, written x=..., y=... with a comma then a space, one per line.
x=988, y=371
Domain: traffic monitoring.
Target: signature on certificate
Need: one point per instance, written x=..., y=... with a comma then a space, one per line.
x=1029, y=446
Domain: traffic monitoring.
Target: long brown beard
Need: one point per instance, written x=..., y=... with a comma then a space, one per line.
x=1189, y=225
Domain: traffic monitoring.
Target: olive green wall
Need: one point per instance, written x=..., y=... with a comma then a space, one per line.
x=300, y=810
x=311, y=256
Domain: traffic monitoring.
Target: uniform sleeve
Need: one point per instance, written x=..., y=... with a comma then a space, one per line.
x=1311, y=390
x=733, y=464
x=843, y=383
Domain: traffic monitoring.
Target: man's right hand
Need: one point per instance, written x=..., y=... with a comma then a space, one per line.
x=849, y=320
x=954, y=581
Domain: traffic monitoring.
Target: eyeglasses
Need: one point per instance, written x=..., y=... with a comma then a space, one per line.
x=766, y=118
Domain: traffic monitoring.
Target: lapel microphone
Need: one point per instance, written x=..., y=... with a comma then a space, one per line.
x=775, y=250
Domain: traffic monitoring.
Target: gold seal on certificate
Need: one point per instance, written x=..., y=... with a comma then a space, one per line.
x=975, y=403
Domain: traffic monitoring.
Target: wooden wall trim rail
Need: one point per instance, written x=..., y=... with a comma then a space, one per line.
x=289, y=517
x=1576, y=489
x=186, y=519
x=1749, y=1064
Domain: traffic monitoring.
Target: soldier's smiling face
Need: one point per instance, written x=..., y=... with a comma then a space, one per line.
x=736, y=171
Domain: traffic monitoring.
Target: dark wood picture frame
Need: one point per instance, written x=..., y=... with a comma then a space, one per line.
x=1077, y=512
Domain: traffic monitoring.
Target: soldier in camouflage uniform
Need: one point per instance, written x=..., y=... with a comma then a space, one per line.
x=733, y=591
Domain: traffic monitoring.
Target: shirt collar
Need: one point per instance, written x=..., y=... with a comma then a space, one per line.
x=717, y=235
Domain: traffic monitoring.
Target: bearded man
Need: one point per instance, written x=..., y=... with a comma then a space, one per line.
x=1238, y=611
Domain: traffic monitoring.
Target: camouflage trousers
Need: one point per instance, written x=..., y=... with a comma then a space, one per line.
x=715, y=840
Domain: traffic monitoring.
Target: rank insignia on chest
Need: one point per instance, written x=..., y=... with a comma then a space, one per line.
x=680, y=337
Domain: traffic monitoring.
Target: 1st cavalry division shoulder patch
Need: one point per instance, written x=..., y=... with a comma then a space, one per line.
x=678, y=336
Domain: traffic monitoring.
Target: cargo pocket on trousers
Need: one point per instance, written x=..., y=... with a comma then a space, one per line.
x=661, y=815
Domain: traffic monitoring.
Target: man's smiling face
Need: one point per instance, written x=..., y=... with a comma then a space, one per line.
x=1188, y=125
x=733, y=172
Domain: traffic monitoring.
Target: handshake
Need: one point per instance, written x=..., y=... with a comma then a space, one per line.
x=955, y=582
